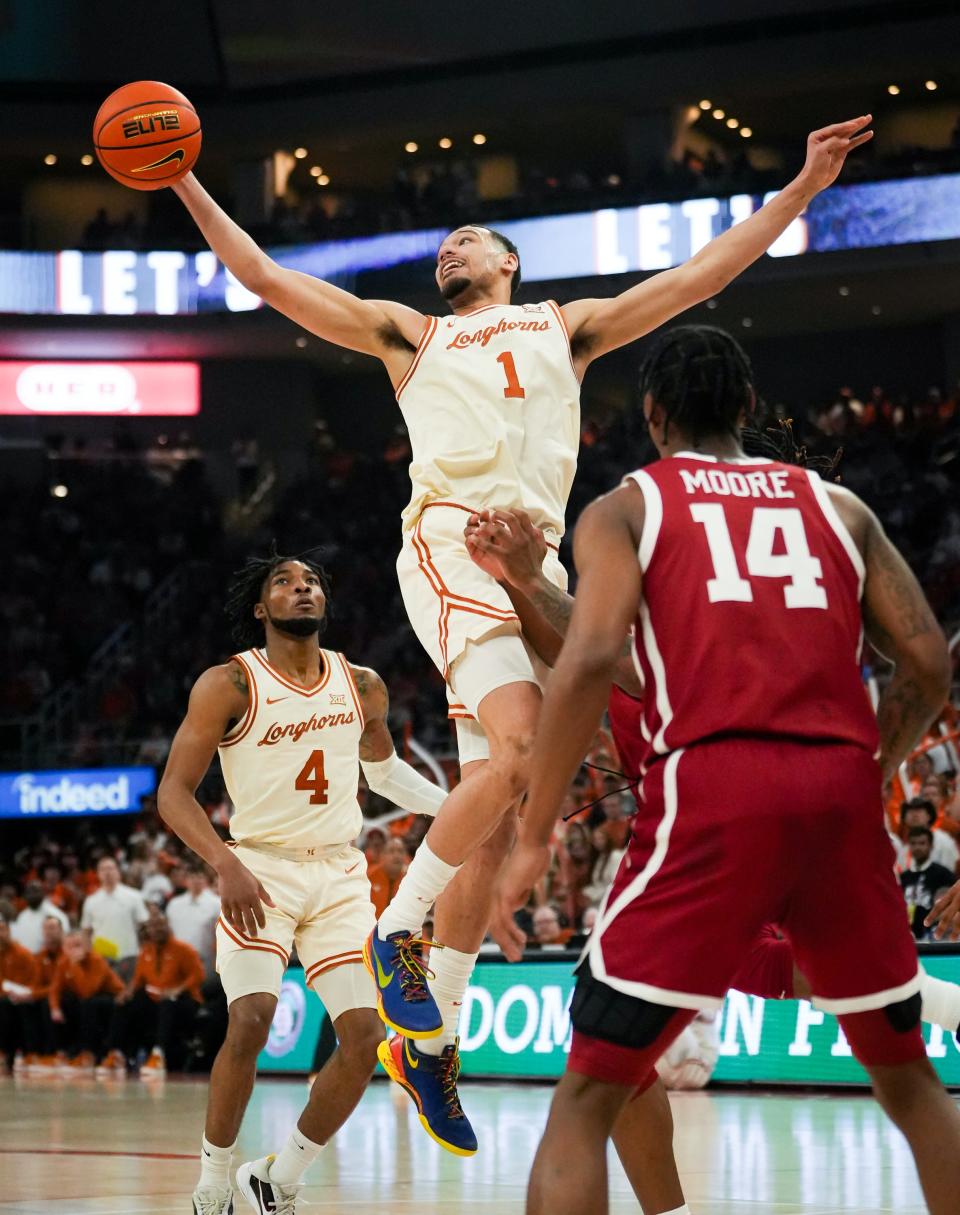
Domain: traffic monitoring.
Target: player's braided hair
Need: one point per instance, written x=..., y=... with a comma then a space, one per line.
x=702, y=379
x=780, y=443
x=245, y=591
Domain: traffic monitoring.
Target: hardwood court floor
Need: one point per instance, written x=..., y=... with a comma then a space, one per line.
x=80, y=1147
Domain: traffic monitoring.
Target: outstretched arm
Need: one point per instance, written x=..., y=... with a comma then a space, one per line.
x=597, y=326
x=386, y=773
x=219, y=696
x=607, y=596
x=507, y=545
x=387, y=330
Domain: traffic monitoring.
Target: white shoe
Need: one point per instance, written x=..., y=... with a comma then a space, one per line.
x=155, y=1068
x=266, y=1196
x=210, y=1201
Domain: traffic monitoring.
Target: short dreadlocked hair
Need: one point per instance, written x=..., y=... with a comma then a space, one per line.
x=701, y=378
x=246, y=590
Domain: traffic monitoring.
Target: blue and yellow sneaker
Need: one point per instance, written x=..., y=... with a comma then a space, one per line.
x=431, y=1080
x=404, y=1001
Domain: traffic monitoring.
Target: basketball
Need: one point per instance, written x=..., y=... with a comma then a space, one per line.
x=147, y=135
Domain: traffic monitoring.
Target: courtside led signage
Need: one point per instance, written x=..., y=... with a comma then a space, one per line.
x=100, y=389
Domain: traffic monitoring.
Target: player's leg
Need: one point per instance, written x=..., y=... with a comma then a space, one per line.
x=889, y=1045
x=329, y=941
x=643, y=1138
x=251, y=972
x=869, y=977
x=508, y=715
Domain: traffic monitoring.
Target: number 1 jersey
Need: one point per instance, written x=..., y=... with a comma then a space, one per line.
x=292, y=763
x=492, y=407
x=749, y=622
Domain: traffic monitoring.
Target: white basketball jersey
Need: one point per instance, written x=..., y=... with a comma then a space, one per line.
x=292, y=764
x=492, y=406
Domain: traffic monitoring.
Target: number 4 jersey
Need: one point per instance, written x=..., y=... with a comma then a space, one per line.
x=749, y=622
x=292, y=763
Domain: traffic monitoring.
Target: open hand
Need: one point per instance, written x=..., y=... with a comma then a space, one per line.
x=242, y=897
x=828, y=148
x=526, y=866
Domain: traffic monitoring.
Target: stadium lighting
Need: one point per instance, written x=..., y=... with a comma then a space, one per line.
x=86, y=159
x=49, y=159
x=733, y=123
x=446, y=143
x=479, y=138
x=745, y=132
x=59, y=491
x=323, y=180
x=718, y=114
x=300, y=153
x=930, y=86
x=410, y=146
x=893, y=90
x=315, y=170
x=706, y=105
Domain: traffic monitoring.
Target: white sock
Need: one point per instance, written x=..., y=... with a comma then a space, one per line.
x=452, y=970
x=426, y=879
x=292, y=1162
x=214, y=1165
x=941, y=1002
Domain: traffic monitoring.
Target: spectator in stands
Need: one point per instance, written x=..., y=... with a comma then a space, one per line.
x=547, y=929
x=41, y=1039
x=155, y=886
x=923, y=880
x=574, y=870
x=918, y=812
x=374, y=843
x=28, y=927
x=156, y=1009
x=606, y=863
x=80, y=1001
x=193, y=916
x=386, y=877
x=17, y=968
x=112, y=915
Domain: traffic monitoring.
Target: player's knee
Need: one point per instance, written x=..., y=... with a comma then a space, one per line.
x=613, y=1016
x=359, y=1045
x=249, y=1024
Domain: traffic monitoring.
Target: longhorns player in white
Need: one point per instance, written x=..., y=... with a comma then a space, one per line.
x=293, y=724
x=490, y=396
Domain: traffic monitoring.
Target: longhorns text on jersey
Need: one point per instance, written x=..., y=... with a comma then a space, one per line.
x=290, y=765
x=492, y=406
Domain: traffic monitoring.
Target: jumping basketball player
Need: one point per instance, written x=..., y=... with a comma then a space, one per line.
x=490, y=396
x=757, y=678
x=293, y=724
x=510, y=548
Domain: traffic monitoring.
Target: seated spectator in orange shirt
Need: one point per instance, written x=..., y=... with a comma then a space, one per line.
x=373, y=846
x=17, y=970
x=156, y=1009
x=547, y=929
x=385, y=877
x=47, y=956
x=80, y=1001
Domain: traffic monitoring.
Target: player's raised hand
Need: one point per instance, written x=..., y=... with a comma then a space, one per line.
x=526, y=866
x=828, y=148
x=242, y=897
x=945, y=914
x=506, y=545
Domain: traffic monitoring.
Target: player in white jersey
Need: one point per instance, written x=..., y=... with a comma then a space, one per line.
x=490, y=396
x=293, y=724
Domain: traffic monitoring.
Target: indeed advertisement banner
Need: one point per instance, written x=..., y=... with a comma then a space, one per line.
x=611, y=241
x=515, y=1022
x=100, y=389
x=61, y=794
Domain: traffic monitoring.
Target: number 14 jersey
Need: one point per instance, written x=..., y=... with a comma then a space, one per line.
x=291, y=764
x=749, y=622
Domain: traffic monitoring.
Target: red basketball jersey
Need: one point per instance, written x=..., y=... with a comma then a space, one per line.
x=625, y=713
x=749, y=621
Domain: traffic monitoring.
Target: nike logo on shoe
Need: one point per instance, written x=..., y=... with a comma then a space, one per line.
x=382, y=977
x=406, y=1054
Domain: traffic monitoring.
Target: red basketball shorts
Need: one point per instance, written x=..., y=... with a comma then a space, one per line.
x=739, y=834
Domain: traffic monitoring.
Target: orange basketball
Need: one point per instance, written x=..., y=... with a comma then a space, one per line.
x=147, y=135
